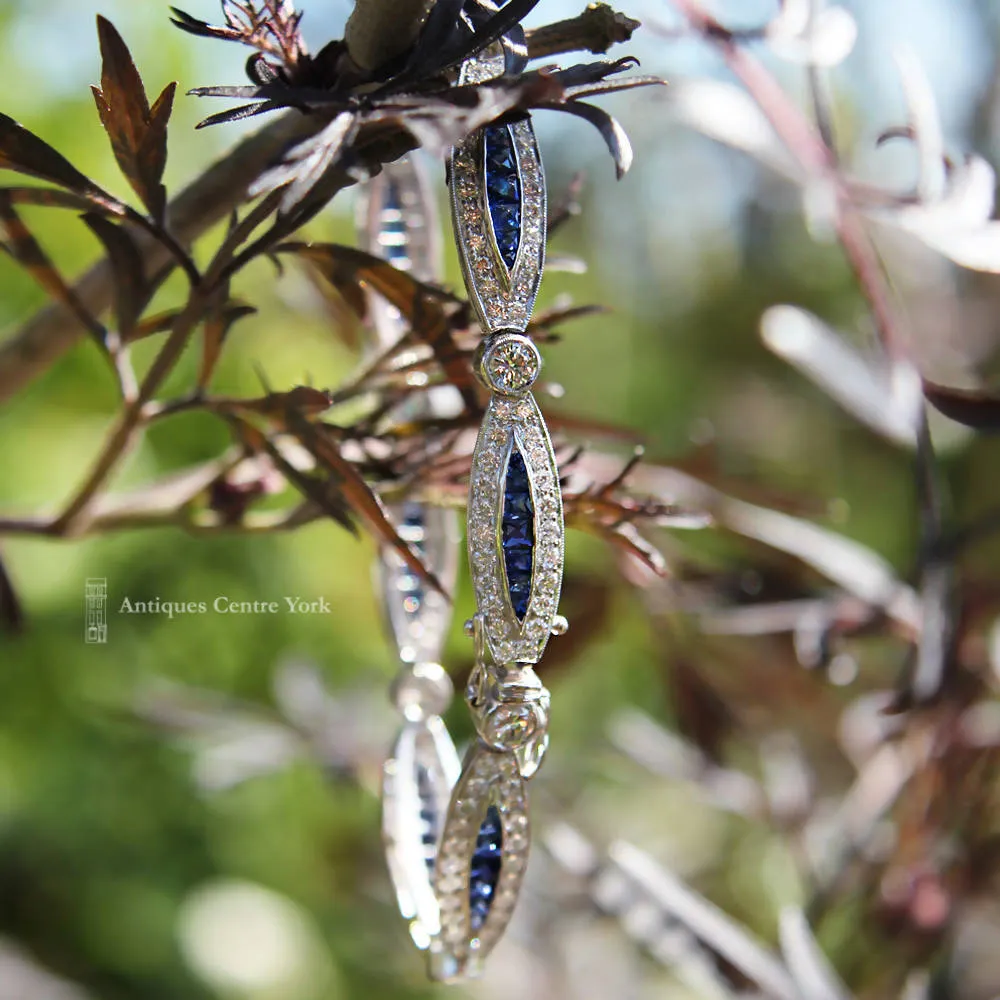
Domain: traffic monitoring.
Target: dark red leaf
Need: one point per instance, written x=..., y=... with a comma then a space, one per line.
x=362, y=500
x=273, y=30
x=53, y=198
x=159, y=323
x=27, y=251
x=974, y=409
x=612, y=133
x=350, y=271
x=348, y=267
x=132, y=290
x=137, y=132
x=303, y=399
x=323, y=492
x=24, y=152
x=216, y=327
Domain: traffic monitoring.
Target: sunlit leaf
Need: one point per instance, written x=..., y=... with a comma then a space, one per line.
x=347, y=268
x=806, y=962
x=611, y=131
x=888, y=401
x=727, y=938
x=137, y=132
x=306, y=163
x=959, y=225
x=821, y=38
x=728, y=114
x=925, y=127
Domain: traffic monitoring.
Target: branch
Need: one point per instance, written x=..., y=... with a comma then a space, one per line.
x=595, y=30
x=52, y=331
x=212, y=197
x=379, y=30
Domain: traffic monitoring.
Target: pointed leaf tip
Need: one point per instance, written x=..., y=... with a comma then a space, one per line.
x=137, y=132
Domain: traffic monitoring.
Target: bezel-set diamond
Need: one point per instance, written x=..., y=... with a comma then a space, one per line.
x=508, y=363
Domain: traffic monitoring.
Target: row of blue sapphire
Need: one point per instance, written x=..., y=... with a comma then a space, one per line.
x=485, y=869
x=393, y=236
x=503, y=193
x=517, y=529
x=429, y=819
x=412, y=529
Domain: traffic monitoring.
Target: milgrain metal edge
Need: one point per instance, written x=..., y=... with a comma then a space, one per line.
x=489, y=777
x=503, y=300
x=507, y=421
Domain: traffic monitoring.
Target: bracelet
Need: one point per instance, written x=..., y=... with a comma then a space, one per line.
x=514, y=536
x=457, y=836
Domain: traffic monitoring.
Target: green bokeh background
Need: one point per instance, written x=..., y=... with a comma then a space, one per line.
x=106, y=845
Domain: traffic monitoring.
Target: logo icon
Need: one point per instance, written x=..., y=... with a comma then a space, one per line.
x=96, y=628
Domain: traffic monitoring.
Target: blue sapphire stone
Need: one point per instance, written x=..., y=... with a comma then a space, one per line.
x=503, y=192
x=428, y=816
x=412, y=530
x=394, y=248
x=517, y=472
x=517, y=529
x=519, y=560
x=485, y=869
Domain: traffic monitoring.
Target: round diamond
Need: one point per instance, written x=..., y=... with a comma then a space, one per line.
x=511, y=364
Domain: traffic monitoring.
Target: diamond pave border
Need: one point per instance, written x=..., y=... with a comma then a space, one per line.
x=503, y=299
x=505, y=421
x=489, y=777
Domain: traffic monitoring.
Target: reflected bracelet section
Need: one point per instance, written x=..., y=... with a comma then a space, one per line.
x=397, y=221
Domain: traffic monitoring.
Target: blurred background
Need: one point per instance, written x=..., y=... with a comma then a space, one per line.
x=191, y=809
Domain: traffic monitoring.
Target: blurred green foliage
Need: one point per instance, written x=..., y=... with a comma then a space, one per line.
x=103, y=835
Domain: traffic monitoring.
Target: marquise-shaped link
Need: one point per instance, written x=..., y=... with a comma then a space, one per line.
x=417, y=782
x=489, y=233
x=481, y=861
x=397, y=219
x=515, y=426
x=418, y=616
